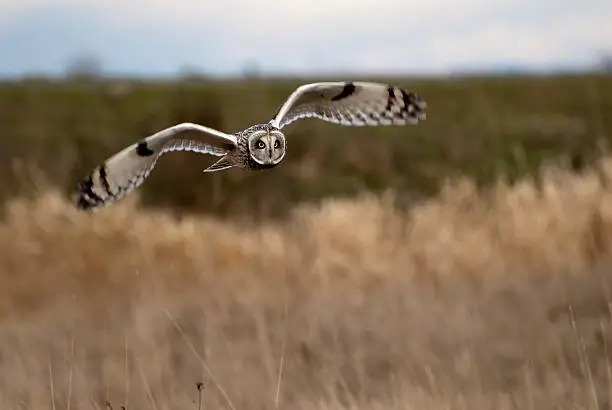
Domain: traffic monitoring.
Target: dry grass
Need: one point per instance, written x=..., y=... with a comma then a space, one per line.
x=470, y=300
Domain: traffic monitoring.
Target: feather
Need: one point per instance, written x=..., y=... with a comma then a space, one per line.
x=128, y=169
x=352, y=103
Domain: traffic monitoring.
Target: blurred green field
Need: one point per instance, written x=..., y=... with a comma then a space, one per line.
x=479, y=127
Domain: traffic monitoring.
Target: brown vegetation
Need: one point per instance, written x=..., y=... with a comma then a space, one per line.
x=468, y=298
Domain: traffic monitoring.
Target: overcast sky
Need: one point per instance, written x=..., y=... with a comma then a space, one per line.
x=158, y=37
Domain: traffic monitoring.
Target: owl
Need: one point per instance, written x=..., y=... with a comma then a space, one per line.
x=258, y=147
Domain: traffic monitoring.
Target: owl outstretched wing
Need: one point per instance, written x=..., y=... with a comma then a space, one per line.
x=351, y=103
x=127, y=169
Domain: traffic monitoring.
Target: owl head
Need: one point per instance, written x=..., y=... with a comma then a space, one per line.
x=267, y=146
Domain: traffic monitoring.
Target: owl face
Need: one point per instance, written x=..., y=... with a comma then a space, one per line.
x=267, y=147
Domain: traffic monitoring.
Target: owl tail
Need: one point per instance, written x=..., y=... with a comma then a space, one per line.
x=220, y=165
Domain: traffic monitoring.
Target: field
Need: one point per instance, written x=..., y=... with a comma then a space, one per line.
x=480, y=127
x=459, y=264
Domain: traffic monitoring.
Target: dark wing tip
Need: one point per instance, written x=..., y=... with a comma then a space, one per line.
x=414, y=106
x=82, y=203
x=84, y=198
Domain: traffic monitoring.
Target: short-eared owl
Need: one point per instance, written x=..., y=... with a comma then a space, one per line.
x=258, y=147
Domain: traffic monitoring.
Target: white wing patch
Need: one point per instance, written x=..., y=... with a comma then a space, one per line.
x=128, y=169
x=352, y=104
x=193, y=146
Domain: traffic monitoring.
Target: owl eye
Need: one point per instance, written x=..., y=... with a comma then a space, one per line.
x=276, y=144
x=260, y=144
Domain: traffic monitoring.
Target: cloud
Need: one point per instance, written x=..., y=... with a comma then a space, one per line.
x=159, y=36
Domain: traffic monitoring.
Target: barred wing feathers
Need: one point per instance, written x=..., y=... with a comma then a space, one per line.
x=126, y=170
x=352, y=103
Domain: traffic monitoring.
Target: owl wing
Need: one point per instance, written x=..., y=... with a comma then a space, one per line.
x=127, y=169
x=351, y=103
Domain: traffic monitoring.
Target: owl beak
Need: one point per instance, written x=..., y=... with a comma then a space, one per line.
x=269, y=160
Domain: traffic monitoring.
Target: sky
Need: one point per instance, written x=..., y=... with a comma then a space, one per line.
x=301, y=37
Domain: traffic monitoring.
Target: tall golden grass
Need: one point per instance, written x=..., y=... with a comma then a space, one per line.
x=473, y=299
